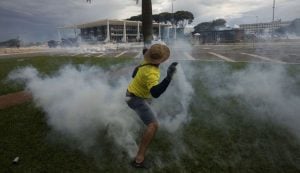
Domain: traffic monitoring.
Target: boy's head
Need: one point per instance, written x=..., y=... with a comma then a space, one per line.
x=158, y=53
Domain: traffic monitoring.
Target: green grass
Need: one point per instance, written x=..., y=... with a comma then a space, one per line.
x=223, y=136
x=48, y=65
x=25, y=134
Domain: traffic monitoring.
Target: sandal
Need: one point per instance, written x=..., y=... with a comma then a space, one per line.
x=139, y=165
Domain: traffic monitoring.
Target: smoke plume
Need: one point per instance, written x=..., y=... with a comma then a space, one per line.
x=267, y=90
x=81, y=101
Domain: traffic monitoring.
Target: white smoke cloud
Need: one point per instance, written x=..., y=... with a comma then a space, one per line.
x=174, y=111
x=80, y=102
x=267, y=90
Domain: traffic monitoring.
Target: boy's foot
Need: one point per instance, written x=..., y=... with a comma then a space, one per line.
x=139, y=165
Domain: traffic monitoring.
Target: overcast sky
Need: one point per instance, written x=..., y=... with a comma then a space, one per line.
x=36, y=20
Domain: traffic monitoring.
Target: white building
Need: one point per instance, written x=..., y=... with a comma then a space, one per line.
x=263, y=28
x=118, y=30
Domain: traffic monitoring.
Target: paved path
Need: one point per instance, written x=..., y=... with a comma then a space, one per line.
x=121, y=54
x=188, y=56
x=221, y=56
x=263, y=58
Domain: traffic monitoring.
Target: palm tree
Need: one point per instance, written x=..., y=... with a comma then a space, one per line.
x=146, y=20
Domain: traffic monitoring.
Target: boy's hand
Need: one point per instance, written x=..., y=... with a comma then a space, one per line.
x=171, y=70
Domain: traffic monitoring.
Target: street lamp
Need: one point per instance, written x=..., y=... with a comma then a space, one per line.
x=273, y=11
x=173, y=20
x=273, y=19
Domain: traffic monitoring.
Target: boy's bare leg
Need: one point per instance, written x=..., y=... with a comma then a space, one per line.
x=146, y=140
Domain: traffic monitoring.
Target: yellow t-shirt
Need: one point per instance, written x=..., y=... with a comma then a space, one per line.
x=146, y=77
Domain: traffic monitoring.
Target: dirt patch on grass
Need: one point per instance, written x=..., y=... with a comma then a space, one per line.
x=13, y=99
x=21, y=50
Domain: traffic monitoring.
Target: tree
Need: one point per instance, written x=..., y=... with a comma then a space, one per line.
x=165, y=17
x=183, y=18
x=218, y=22
x=147, y=22
x=11, y=43
x=208, y=26
x=136, y=18
x=146, y=19
x=204, y=26
x=293, y=28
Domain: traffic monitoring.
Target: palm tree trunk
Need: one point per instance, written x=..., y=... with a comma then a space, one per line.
x=147, y=22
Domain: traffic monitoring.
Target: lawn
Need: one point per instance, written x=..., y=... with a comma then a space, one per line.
x=223, y=135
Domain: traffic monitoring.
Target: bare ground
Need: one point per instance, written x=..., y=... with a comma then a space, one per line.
x=13, y=99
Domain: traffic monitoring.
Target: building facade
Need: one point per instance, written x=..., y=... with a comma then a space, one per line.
x=118, y=31
x=221, y=36
x=264, y=28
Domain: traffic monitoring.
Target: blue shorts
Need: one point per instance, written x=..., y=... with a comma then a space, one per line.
x=143, y=109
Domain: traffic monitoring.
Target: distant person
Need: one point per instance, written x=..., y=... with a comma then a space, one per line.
x=144, y=51
x=145, y=85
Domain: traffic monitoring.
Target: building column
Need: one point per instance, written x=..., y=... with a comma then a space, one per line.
x=59, y=34
x=159, y=31
x=75, y=32
x=138, y=37
x=124, y=33
x=175, y=32
x=107, y=33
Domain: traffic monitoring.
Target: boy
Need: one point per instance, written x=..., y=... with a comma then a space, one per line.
x=144, y=85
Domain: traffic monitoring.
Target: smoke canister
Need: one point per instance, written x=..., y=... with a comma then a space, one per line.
x=16, y=160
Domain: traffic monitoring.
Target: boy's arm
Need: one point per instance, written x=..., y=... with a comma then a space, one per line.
x=157, y=90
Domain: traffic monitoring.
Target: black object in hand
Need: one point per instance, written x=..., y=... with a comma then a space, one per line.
x=172, y=69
